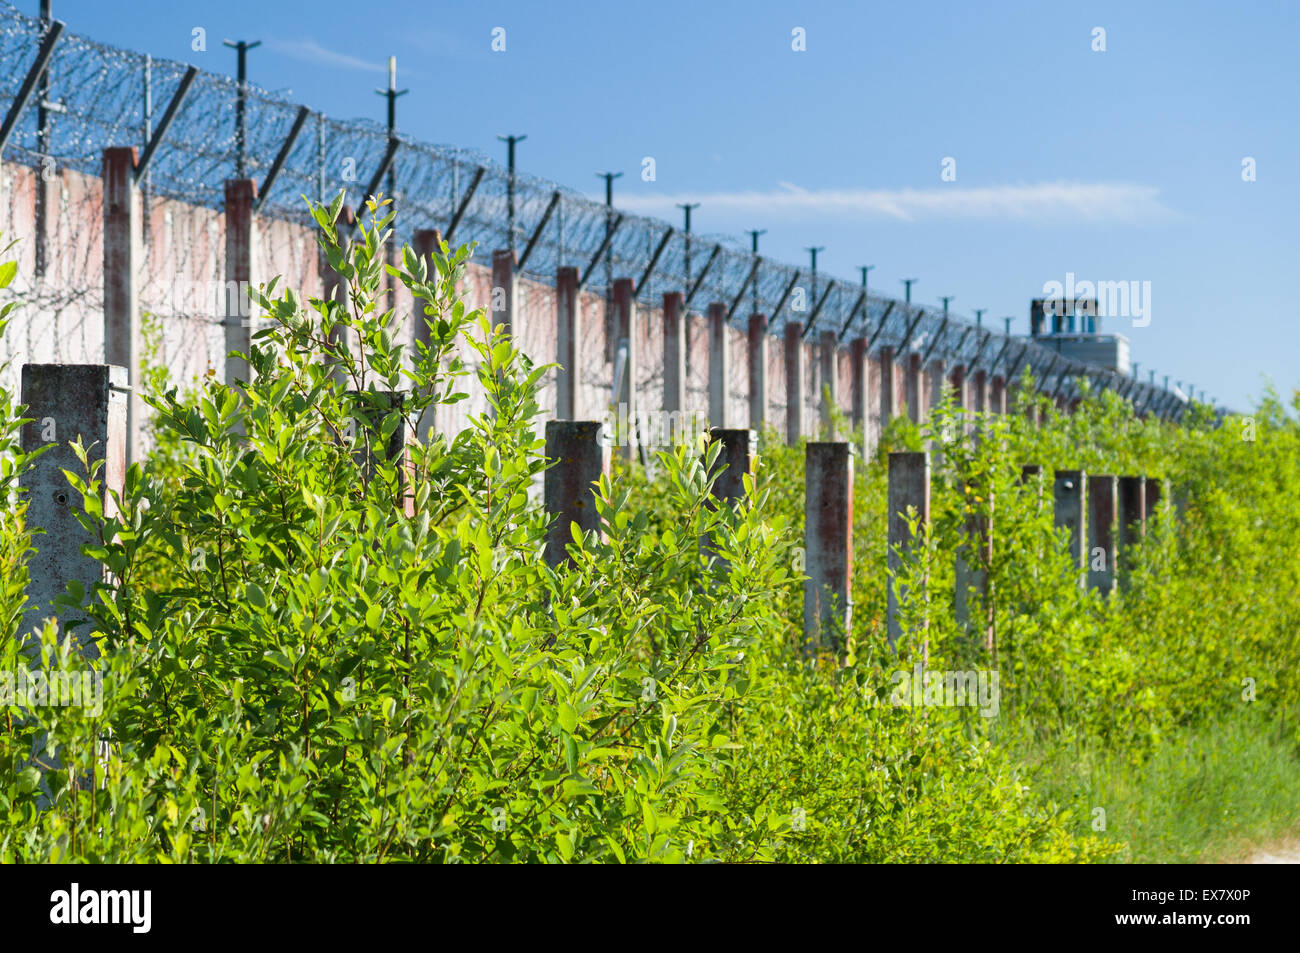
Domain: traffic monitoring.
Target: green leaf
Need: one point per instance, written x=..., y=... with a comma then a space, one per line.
x=28, y=779
x=568, y=717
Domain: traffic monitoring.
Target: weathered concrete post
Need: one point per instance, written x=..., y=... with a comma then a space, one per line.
x=1031, y=475
x=240, y=277
x=580, y=459
x=1069, y=499
x=674, y=354
x=960, y=387
x=734, y=460
x=757, y=371
x=505, y=307
x=334, y=288
x=828, y=360
x=998, y=395
x=888, y=386
x=858, y=394
x=1155, y=494
x=64, y=402
x=794, y=382
x=1102, y=495
x=912, y=391
x=1132, y=522
x=121, y=263
x=828, y=544
x=909, y=485
x=719, y=364
x=566, y=342
x=738, y=448
x=627, y=333
x=974, y=555
x=372, y=407
x=426, y=243
x=938, y=385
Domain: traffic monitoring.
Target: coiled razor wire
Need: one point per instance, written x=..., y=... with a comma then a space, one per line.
x=101, y=92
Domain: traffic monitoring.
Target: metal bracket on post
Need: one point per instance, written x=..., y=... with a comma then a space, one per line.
x=817, y=309
x=173, y=108
x=907, y=335
x=281, y=157
x=785, y=296
x=373, y=188
x=537, y=232
x=938, y=336
x=884, y=319
x=654, y=260
x=595, y=259
x=699, y=282
x=464, y=204
x=39, y=66
x=853, y=312
x=735, y=302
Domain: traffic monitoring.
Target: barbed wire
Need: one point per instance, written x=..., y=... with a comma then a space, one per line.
x=102, y=93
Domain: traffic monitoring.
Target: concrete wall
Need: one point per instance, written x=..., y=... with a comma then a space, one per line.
x=181, y=279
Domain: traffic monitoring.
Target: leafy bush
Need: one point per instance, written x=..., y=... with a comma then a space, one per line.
x=333, y=637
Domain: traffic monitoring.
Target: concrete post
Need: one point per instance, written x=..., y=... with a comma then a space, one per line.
x=938, y=385
x=1031, y=476
x=912, y=388
x=998, y=395
x=888, y=386
x=334, y=288
x=729, y=474
x=974, y=555
x=960, y=387
x=581, y=459
x=566, y=342
x=858, y=394
x=240, y=277
x=122, y=257
x=757, y=371
x=1069, y=499
x=64, y=402
x=794, y=382
x=828, y=545
x=674, y=354
x=738, y=447
x=1155, y=493
x=909, y=486
x=1132, y=522
x=505, y=308
x=426, y=243
x=828, y=357
x=627, y=332
x=1103, y=492
x=719, y=364
x=371, y=409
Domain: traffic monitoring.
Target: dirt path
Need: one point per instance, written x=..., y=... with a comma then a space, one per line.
x=1282, y=852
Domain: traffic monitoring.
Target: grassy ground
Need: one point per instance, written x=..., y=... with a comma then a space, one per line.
x=1208, y=794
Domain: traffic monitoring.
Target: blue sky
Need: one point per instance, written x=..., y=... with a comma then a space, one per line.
x=1117, y=165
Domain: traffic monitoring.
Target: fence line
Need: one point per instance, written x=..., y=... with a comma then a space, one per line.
x=105, y=96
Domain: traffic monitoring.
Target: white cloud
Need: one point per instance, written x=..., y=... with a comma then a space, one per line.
x=1058, y=202
x=312, y=52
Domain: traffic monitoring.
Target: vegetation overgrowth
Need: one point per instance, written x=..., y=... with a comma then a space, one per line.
x=313, y=651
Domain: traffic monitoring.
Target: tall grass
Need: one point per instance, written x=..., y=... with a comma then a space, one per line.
x=1209, y=793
